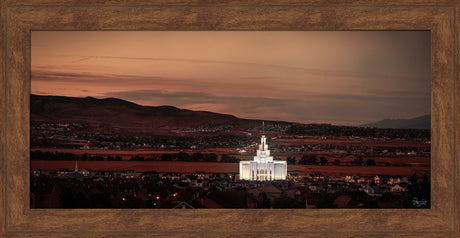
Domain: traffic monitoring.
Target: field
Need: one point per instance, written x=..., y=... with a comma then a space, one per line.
x=210, y=167
x=403, y=165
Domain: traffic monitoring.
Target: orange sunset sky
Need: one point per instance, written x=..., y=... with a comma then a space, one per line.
x=338, y=77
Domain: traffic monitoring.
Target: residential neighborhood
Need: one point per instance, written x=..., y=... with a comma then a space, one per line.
x=151, y=189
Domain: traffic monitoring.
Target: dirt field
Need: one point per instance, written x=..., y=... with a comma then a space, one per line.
x=400, y=165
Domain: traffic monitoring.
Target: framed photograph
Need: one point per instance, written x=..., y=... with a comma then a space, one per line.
x=37, y=44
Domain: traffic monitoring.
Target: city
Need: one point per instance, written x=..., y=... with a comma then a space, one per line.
x=333, y=171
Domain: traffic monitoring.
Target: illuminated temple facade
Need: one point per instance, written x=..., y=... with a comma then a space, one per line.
x=263, y=167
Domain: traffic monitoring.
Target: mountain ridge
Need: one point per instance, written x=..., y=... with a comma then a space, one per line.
x=119, y=113
x=114, y=115
x=421, y=122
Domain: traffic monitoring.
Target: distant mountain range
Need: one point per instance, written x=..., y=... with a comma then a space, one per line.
x=127, y=118
x=423, y=122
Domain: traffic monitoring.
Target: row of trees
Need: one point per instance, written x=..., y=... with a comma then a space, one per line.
x=331, y=130
x=195, y=157
x=313, y=160
x=39, y=155
x=308, y=160
x=181, y=156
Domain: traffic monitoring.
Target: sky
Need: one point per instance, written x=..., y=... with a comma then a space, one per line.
x=337, y=77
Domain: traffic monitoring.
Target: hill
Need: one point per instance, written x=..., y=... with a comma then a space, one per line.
x=423, y=122
x=120, y=117
x=117, y=114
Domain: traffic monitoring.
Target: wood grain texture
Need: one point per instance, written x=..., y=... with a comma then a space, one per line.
x=2, y=122
x=457, y=118
x=234, y=2
x=20, y=17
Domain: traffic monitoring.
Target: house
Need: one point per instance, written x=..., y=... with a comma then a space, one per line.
x=342, y=201
x=372, y=191
x=315, y=188
x=85, y=147
x=127, y=174
x=186, y=180
x=172, y=176
x=104, y=174
x=45, y=196
x=404, y=180
x=219, y=175
x=352, y=178
x=183, y=205
x=62, y=172
x=225, y=199
x=150, y=174
x=196, y=183
x=398, y=188
x=393, y=180
x=36, y=172
x=316, y=176
x=199, y=174
x=270, y=190
x=86, y=172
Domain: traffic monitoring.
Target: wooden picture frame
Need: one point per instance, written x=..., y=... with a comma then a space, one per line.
x=19, y=18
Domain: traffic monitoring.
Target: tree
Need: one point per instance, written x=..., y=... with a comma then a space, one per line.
x=197, y=157
x=290, y=160
x=371, y=203
x=263, y=201
x=308, y=159
x=166, y=157
x=137, y=158
x=370, y=162
x=358, y=161
x=229, y=159
x=284, y=201
x=83, y=157
x=98, y=158
x=325, y=201
x=182, y=156
x=323, y=160
x=312, y=160
x=303, y=160
x=212, y=157
x=66, y=197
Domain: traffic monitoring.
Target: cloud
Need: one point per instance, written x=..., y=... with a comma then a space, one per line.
x=84, y=77
x=190, y=98
x=304, y=70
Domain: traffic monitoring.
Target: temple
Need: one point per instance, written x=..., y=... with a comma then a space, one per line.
x=263, y=167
